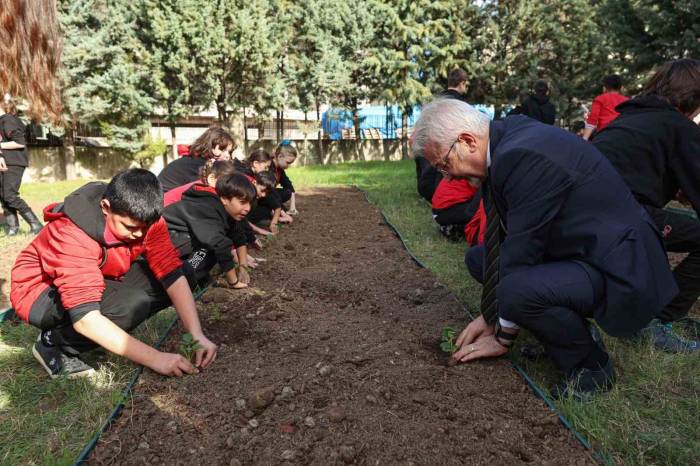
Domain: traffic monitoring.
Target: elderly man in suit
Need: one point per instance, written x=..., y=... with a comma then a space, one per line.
x=565, y=242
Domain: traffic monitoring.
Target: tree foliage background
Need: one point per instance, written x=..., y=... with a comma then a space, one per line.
x=126, y=61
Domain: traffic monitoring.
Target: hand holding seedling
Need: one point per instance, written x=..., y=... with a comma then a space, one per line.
x=188, y=346
x=199, y=347
x=447, y=340
x=477, y=341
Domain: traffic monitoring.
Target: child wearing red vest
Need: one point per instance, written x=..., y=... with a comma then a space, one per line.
x=603, y=110
x=83, y=283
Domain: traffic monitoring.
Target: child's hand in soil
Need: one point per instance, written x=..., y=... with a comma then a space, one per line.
x=206, y=354
x=485, y=347
x=293, y=211
x=172, y=365
x=285, y=217
x=243, y=275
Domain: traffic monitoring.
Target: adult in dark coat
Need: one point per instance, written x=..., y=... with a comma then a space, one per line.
x=655, y=145
x=576, y=244
x=538, y=106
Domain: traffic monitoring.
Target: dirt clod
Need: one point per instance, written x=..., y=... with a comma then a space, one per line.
x=325, y=371
x=288, y=455
x=261, y=399
x=336, y=414
x=347, y=453
x=217, y=295
x=309, y=422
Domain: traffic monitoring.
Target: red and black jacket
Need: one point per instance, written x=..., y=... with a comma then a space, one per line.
x=75, y=252
x=451, y=192
x=200, y=221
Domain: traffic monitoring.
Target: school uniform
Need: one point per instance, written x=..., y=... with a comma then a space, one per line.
x=76, y=265
x=455, y=202
x=181, y=171
x=202, y=231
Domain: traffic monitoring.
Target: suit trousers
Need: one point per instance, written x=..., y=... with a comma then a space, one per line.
x=681, y=234
x=553, y=301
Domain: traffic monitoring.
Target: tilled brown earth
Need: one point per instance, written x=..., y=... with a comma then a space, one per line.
x=332, y=358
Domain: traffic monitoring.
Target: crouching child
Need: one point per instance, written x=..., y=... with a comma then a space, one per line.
x=103, y=264
x=202, y=225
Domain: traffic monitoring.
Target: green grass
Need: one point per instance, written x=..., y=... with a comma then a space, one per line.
x=651, y=417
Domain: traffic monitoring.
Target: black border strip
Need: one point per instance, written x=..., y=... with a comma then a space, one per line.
x=537, y=390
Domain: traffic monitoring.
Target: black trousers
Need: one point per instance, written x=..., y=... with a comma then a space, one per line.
x=681, y=234
x=458, y=214
x=552, y=301
x=10, y=181
x=127, y=303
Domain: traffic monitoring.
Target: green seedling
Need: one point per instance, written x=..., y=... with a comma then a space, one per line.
x=447, y=340
x=189, y=346
x=215, y=314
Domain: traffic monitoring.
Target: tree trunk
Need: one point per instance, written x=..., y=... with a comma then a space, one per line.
x=245, y=133
x=321, y=155
x=359, y=155
x=69, y=152
x=173, y=137
x=404, y=134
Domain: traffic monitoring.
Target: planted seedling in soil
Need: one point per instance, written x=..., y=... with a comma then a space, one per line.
x=447, y=340
x=189, y=346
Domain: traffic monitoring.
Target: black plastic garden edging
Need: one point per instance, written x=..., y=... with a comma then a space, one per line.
x=87, y=450
x=537, y=390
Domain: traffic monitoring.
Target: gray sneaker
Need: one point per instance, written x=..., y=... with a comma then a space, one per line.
x=58, y=364
x=662, y=336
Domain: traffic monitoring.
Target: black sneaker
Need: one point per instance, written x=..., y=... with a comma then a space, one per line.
x=582, y=384
x=58, y=364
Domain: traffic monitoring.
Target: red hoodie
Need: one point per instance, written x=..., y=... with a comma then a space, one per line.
x=449, y=193
x=75, y=252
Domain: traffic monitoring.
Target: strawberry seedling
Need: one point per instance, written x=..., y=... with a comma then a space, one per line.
x=189, y=346
x=447, y=340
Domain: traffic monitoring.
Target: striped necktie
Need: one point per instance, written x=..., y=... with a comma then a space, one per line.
x=492, y=244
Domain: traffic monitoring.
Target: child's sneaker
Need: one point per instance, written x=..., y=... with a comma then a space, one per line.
x=58, y=364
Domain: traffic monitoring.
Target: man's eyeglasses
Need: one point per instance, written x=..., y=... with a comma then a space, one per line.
x=442, y=165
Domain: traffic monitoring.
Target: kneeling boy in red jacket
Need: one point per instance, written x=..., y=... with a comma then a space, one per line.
x=82, y=282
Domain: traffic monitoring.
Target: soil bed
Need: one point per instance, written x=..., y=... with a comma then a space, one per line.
x=331, y=359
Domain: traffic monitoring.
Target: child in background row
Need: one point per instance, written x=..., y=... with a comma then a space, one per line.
x=455, y=203
x=265, y=214
x=214, y=144
x=285, y=155
x=203, y=224
x=83, y=283
x=603, y=110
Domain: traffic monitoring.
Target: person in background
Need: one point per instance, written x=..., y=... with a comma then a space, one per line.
x=457, y=82
x=13, y=162
x=214, y=144
x=603, y=108
x=538, y=106
x=655, y=145
x=578, y=128
x=285, y=155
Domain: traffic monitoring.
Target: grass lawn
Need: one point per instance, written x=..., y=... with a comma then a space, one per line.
x=649, y=418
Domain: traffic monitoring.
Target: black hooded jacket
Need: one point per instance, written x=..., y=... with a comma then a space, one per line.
x=656, y=149
x=540, y=108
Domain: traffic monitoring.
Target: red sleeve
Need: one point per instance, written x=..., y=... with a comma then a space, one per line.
x=594, y=116
x=159, y=251
x=73, y=259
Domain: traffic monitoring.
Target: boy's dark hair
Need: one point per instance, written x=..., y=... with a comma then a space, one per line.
x=286, y=148
x=541, y=87
x=577, y=126
x=259, y=155
x=236, y=185
x=135, y=193
x=267, y=180
x=612, y=82
x=456, y=77
x=213, y=137
x=678, y=82
x=218, y=168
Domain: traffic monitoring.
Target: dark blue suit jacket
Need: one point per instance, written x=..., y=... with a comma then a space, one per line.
x=560, y=199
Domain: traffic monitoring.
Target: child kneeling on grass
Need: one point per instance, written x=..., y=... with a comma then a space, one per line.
x=82, y=282
x=202, y=224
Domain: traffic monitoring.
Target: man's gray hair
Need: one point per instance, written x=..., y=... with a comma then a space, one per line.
x=442, y=120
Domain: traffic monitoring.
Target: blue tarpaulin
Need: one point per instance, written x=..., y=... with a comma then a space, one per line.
x=386, y=119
